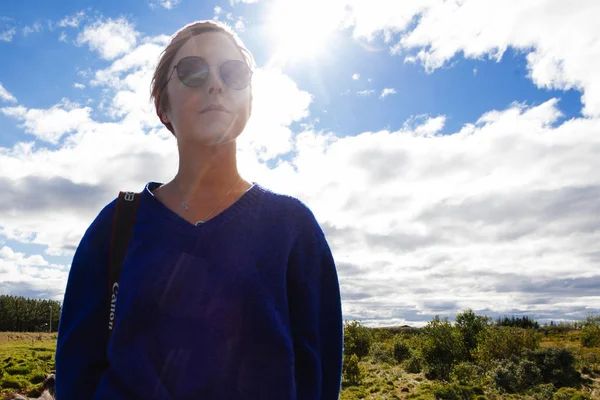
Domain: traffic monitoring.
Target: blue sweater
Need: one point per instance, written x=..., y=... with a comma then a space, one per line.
x=245, y=306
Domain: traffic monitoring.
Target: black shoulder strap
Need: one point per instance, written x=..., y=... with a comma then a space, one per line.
x=123, y=222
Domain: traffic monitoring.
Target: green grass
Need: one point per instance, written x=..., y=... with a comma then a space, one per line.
x=25, y=361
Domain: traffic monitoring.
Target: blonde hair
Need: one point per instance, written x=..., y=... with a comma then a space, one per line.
x=162, y=71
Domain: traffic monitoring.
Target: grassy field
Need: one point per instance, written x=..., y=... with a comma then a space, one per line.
x=26, y=358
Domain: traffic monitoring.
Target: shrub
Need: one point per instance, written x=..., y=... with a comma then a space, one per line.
x=401, y=350
x=465, y=373
x=381, y=353
x=504, y=376
x=441, y=349
x=569, y=394
x=470, y=327
x=502, y=343
x=413, y=365
x=528, y=374
x=590, y=334
x=352, y=373
x=557, y=366
x=357, y=339
x=544, y=391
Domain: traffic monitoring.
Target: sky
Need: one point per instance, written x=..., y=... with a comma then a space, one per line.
x=450, y=150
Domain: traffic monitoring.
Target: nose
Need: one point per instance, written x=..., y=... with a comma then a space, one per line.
x=214, y=83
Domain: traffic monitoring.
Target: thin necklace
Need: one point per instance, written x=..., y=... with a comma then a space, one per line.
x=213, y=210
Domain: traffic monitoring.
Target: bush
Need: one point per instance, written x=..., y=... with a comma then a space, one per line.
x=502, y=343
x=544, y=391
x=557, y=366
x=590, y=333
x=352, y=373
x=569, y=394
x=470, y=327
x=401, y=350
x=505, y=377
x=381, y=353
x=441, y=349
x=413, y=365
x=357, y=339
x=528, y=374
x=466, y=373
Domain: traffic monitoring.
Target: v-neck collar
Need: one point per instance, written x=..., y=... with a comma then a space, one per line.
x=247, y=200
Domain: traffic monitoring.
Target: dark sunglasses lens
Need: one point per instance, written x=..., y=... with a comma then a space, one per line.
x=236, y=74
x=192, y=71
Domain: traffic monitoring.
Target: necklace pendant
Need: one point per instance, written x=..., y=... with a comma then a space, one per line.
x=199, y=223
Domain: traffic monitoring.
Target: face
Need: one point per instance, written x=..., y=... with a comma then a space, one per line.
x=187, y=105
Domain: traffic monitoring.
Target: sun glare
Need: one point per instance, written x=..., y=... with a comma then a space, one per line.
x=301, y=29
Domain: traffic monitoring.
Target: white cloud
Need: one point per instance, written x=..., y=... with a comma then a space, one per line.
x=6, y=96
x=37, y=27
x=355, y=76
x=559, y=56
x=71, y=21
x=366, y=92
x=51, y=124
x=218, y=10
x=8, y=35
x=110, y=38
x=166, y=4
x=477, y=211
x=78, y=85
x=33, y=274
x=239, y=25
x=63, y=37
x=386, y=92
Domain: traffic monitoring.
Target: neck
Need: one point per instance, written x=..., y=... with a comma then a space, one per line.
x=206, y=172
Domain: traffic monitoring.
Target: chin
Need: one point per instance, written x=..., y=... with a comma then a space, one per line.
x=213, y=136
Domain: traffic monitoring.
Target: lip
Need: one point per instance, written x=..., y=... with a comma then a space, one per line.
x=214, y=107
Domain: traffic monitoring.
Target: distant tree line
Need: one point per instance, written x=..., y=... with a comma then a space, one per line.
x=20, y=314
x=524, y=322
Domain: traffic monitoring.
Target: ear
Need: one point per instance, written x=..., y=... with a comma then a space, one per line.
x=164, y=117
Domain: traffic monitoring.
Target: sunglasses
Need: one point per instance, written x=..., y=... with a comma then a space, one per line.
x=193, y=71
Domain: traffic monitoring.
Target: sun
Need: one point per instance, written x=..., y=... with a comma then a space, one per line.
x=301, y=29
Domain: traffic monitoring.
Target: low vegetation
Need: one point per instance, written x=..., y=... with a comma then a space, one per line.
x=25, y=361
x=471, y=358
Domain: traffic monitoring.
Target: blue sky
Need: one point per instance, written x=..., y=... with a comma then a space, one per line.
x=447, y=148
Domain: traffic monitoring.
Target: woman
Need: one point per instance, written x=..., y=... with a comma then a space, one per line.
x=228, y=290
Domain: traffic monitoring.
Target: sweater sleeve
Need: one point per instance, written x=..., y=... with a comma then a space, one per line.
x=315, y=315
x=82, y=332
